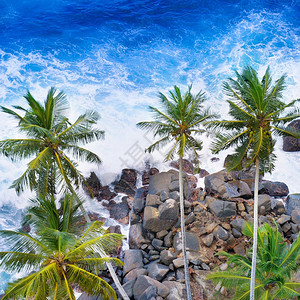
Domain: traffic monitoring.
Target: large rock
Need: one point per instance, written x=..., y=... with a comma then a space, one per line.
x=157, y=271
x=221, y=184
x=238, y=224
x=168, y=210
x=152, y=221
x=187, y=166
x=93, y=183
x=291, y=144
x=133, y=259
x=275, y=188
x=222, y=209
x=264, y=200
x=136, y=236
x=143, y=282
x=127, y=182
x=120, y=211
x=292, y=203
x=192, y=242
x=159, y=182
x=167, y=257
x=106, y=193
x=139, y=200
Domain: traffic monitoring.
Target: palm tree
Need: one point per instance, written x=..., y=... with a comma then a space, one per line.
x=60, y=259
x=50, y=138
x=276, y=263
x=178, y=123
x=256, y=110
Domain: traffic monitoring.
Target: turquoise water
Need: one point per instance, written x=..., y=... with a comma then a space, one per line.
x=114, y=56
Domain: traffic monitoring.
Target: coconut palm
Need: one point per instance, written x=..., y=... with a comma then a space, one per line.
x=58, y=260
x=51, y=138
x=178, y=124
x=276, y=263
x=256, y=109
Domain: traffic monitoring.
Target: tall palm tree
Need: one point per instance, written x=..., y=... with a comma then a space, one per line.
x=50, y=139
x=256, y=109
x=277, y=261
x=58, y=258
x=178, y=123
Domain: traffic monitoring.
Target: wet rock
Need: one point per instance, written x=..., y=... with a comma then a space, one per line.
x=292, y=202
x=120, y=211
x=222, y=209
x=93, y=183
x=203, y=173
x=157, y=271
x=291, y=144
x=139, y=200
x=136, y=236
x=106, y=193
x=133, y=259
x=187, y=166
x=143, y=282
x=127, y=182
x=275, y=188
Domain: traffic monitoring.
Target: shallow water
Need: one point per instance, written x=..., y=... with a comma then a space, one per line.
x=114, y=56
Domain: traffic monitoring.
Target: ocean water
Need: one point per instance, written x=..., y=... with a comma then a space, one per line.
x=115, y=56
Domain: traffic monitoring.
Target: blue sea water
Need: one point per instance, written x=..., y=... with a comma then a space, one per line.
x=114, y=56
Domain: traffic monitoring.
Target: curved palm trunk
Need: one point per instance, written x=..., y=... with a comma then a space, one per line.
x=103, y=255
x=183, y=235
x=255, y=225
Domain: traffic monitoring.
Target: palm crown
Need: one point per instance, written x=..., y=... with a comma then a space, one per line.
x=276, y=263
x=178, y=122
x=60, y=254
x=256, y=110
x=50, y=136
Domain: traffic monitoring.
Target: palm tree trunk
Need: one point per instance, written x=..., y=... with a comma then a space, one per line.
x=103, y=254
x=183, y=235
x=255, y=225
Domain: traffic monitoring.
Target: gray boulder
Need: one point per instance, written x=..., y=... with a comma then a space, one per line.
x=136, y=236
x=291, y=144
x=159, y=182
x=168, y=210
x=143, y=282
x=265, y=201
x=167, y=257
x=153, y=200
x=133, y=259
x=192, y=242
x=222, y=209
x=157, y=271
x=292, y=203
x=238, y=224
x=149, y=293
x=275, y=188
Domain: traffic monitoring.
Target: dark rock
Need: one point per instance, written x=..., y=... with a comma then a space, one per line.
x=283, y=219
x=93, y=183
x=174, y=186
x=167, y=257
x=187, y=166
x=120, y=212
x=178, y=262
x=292, y=202
x=168, y=239
x=133, y=259
x=145, y=178
x=143, y=282
x=175, y=195
x=136, y=236
x=237, y=188
x=214, y=159
x=275, y=188
x=139, y=200
x=127, y=182
x=295, y=215
x=133, y=274
x=148, y=294
x=238, y=224
x=286, y=227
x=236, y=233
x=153, y=200
x=190, y=218
x=157, y=244
x=134, y=218
x=128, y=287
x=168, y=210
x=264, y=201
x=164, y=195
x=203, y=173
x=159, y=182
x=291, y=144
x=153, y=171
x=221, y=233
x=106, y=193
x=180, y=274
x=222, y=209
x=161, y=234
x=157, y=271
x=192, y=242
